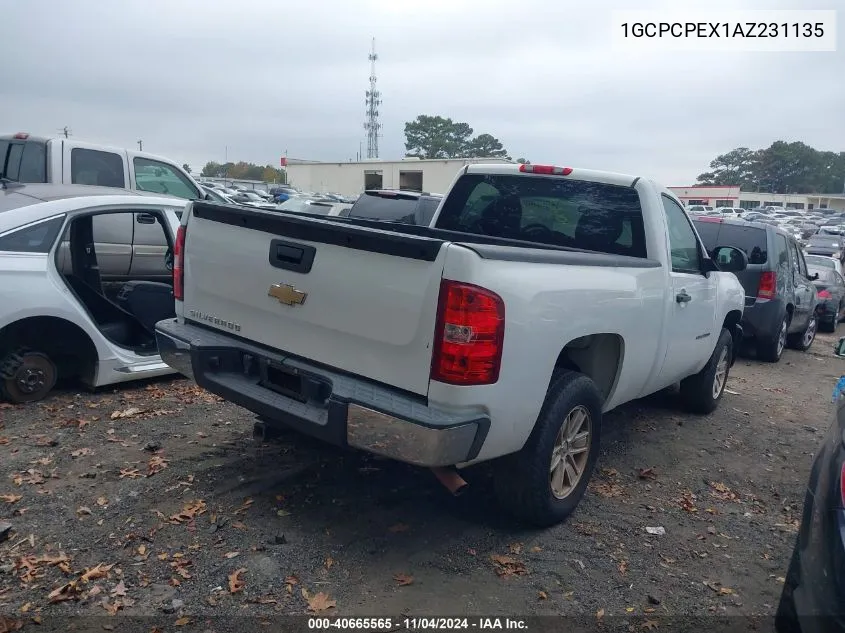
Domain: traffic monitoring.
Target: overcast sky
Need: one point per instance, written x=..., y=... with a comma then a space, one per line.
x=200, y=80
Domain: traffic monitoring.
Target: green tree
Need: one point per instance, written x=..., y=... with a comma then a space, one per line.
x=783, y=167
x=186, y=167
x=439, y=137
x=486, y=146
x=243, y=171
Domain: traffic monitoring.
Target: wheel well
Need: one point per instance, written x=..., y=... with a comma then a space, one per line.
x=67, y=344
x=732, y=319
x=598, y=356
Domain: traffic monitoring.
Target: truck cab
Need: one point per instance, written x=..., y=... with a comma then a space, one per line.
x=32, y=159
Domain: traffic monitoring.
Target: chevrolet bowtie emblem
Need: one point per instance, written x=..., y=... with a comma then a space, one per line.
x=287, y=294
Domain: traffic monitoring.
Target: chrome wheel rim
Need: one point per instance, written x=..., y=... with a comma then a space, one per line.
x=570, y=452
x=721, y=376
x=810, y=332
x=782, y=338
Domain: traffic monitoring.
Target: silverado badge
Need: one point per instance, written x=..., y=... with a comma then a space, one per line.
x=287, y=294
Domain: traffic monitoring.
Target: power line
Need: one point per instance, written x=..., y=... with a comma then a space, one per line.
x=372, y=102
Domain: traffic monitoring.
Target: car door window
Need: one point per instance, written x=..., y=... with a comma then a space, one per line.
x=158, y=177
x=683, y=242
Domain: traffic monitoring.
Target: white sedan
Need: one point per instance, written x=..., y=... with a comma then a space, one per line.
x=81, y=269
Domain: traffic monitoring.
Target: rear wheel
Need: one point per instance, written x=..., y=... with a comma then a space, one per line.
x=701, y=393
x=543, y=482
x=27, y=376
x=802, y=341
x=771, y=349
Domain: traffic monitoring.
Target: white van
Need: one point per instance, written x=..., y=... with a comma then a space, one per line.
x=31, y=159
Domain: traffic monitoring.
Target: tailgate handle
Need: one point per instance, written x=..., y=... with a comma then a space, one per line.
x=292, y=256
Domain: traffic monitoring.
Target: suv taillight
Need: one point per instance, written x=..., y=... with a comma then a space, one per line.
x=768, y=285
x=468, y=336
x=179, y=264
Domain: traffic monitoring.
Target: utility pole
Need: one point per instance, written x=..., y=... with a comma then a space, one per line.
x=140, y=145
x=373, y=101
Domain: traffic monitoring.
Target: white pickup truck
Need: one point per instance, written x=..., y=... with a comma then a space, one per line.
x=539, y=298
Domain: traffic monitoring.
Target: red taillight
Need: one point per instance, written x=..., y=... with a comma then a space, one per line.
x=824, y=294
x=768, y=285
x=545, y=170
x=22, y=136
x=179, y=264
x=468, y=336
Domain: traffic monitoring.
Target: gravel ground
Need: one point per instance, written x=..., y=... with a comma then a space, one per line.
x=153, y=499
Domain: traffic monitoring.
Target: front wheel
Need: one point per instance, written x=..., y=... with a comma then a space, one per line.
x=802, y=341
x=543, y=482
x=701, y=393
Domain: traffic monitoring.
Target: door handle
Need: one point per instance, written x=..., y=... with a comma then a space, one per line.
x=683, y=297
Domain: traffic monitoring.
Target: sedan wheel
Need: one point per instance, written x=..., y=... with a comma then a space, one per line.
x=782, y=338
x=32, y=378
x=810, y=333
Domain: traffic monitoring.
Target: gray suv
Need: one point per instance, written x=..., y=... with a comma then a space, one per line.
x=781, y=305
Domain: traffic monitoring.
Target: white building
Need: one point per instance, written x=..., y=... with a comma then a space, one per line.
x=731, y=196
x=351, y=178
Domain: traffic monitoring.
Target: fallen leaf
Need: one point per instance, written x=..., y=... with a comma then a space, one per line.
x=319, y=602
x=515, y=548
x=599, y=614
x=606, y=489
x=239, y=526
x=182, y=621
x=163, y=556
x=10, y=498
x=119, y=590
x=26, y=607
x=83, y=510
x=403, y=580
x=142, y=549
x=247, y=504
x=329, y=562
x=131, y=473
x=543, y=595
x=725, y=591
x=156, y=465
x=81, y=451
x=687, y=502
x=190, y=511
x=623, y=567
x=236, y=584
x=629, y=609
x=536, y=549
x=102, y=501
x=126, y=413
x=68, y=591
x=7, y=625
x=508, y=566
x=647, y=473
x=399, y=527
x=649, y=625
x=231, y=554
x=721, y=491
x=96, y=573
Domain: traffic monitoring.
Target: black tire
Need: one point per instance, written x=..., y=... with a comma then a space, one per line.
x=786, y=616
x=28, y=376
x=701, y=393
x=523, y=481
x=830, y=326
x=771, y=349
x=803, y=340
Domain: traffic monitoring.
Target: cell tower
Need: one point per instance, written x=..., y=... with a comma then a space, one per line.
x=373, y=101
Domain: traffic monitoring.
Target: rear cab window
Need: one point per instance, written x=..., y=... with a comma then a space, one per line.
x=554, y=211
x=751, y=240
x=158, y=177
x=96, y=167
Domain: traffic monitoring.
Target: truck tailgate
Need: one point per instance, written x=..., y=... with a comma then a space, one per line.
x=356, y=299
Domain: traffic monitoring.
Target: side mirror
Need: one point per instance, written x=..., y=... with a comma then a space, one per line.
x=145, y=218
x=814, y=276
x=729, y=259
x=839, y=348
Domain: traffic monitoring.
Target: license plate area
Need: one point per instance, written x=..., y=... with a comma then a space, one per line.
x=287, y=381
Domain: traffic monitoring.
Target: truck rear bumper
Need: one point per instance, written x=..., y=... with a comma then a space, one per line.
x=323, y=403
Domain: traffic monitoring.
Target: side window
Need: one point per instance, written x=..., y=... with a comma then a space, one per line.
x=4, y=149
x=34, y=162
x=158, y=177
x=683, y=243
x=795, y=262
x=13, y=163
x=93, y=167
x=802, y=264
x=35, y=238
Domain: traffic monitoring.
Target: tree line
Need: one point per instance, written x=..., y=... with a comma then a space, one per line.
x=243, y=171
x=780, y=168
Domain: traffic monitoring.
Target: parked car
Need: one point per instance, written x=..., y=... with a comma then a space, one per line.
x=827, y=243
x=394, y=205
x=780, y=299
x=412, y=341
x=699, y=209
x=811, y=599
x=69, y=318
x=33, y=159
x=830, y=288
x=823, y=261
x=730, y=212
x=216, y=194
x=314, y=207
x=282, y=193
x=250, y=199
